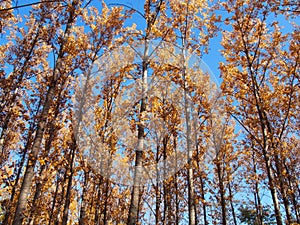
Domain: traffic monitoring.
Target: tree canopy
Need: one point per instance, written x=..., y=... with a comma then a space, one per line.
x=110, y=114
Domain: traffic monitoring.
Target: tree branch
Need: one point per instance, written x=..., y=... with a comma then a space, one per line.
x=26, y=5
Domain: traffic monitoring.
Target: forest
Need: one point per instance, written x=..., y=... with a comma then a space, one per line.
x=149, y=112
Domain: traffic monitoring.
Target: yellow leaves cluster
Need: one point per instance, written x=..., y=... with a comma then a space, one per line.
x=294, y=44
x=157, y=31
x=70, y=45
x=155, y=103
x=7, y=171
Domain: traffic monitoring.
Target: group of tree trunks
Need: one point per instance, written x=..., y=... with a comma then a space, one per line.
x=240, y=139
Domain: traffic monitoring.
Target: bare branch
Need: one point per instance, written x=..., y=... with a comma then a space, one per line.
x=26, y=5
x=129, y=7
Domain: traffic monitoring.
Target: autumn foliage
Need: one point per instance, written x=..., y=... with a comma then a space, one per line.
x=109, y=115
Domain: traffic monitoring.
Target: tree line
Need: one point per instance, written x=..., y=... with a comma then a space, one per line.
x=108, y=117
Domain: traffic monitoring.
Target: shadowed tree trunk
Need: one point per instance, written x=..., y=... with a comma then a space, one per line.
x=83, y=209
x=69, y=186
x=204, y=202
x=231, y=204
x=54, y=200
x=98, y=198
x=257, y=200
x=157, y=190
x=176, y=183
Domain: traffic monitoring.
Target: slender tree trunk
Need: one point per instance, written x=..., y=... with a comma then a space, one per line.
x=270, y=174
x=293, y=195
x=46, y=152
x=152, y=11
x=231, y=204
x=98, y=198
x=82, y=215
x=23, y=159
x=257, y=200
x=273, y=189
x=54, y=201
x=157, y=204
x=69, y=186
x=33, y=155
x=204, y=202
x=202, y=185
x=134, y=204
x=282, y=186
x=191, y=191
x=29, y=172
x=190, y=178
x=176, y=184
x=265, y=128
x=258, y=207
x=222, y=193
x=36, y=195
x=106, y=194
x=166, y=189
x=176, y=200
x=140, y=201
x=61, y=199
x=165, y=212
x=91, y=205
x=157, y=190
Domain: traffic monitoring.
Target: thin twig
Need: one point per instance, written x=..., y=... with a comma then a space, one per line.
x=26, y=5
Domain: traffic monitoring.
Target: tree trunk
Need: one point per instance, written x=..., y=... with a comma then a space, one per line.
x=293, y=195
x=282, y=187
x=231, y=204
x=69, y=186
x=61, y=199
x=222, y=193
x=202, y=185
x=204, y=202
x=157, y=191
x=82, y=215
x=36, y=195
x=134, y=204
x=176, y=184
x=47, y=150
x=106, y=195
x=190, y=178
x=29, y=172
x=54, y=201
x=13, y=192
x=33, y=155
x=266, y=130
x=96, y=219
x=166, y=190
x=257, y=200
x=273, y=189
x=176, y=201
